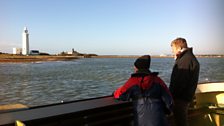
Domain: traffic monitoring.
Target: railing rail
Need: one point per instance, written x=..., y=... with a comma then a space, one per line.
x=91, y=112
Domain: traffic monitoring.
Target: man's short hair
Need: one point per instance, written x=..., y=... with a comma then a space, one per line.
x=179, y=42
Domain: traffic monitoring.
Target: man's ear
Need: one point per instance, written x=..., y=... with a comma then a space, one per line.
x=179, y=48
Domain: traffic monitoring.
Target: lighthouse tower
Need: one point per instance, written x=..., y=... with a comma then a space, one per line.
x=25, y=39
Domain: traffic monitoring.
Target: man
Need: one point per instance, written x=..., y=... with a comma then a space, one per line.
x=184, y=79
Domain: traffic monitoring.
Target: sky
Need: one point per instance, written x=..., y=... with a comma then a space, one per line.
x=112, y=27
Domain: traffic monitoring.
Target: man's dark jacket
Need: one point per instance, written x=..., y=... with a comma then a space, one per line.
x=184, y=76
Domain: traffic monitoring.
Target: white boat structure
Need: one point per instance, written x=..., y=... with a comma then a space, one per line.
x=206, y=110
x=208, y=105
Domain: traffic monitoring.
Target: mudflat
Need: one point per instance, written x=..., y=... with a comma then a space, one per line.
x=20, y=58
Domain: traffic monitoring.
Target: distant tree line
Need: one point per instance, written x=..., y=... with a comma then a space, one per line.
x=211, y=55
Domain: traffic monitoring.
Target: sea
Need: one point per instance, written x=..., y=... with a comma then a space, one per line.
x=43, y=83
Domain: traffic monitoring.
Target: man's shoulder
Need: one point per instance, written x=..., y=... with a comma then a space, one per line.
x=189, y=57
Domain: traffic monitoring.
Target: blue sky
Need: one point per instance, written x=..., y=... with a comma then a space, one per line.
x=113, y=27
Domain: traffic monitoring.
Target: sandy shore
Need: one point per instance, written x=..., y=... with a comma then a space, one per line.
x=19, y=59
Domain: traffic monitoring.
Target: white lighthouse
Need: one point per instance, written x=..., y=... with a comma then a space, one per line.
x=25, y=39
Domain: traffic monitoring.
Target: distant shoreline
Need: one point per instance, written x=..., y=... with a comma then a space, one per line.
x=154, y=56
x=21, y=59
x=127, y=56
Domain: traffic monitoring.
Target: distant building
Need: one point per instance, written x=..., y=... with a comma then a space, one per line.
x=69, y=53
x=162, y=55
x=25, y=40
x=34, y=52
x=73, y=52
x=17, y=51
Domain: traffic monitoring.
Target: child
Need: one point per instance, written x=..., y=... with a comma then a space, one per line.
x=150, y=96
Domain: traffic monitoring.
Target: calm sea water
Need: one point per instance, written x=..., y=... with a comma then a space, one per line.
x=44, y=83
